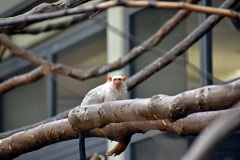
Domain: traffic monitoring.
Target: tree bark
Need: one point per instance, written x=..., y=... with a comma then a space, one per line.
x=57, y=131
x=215, y=97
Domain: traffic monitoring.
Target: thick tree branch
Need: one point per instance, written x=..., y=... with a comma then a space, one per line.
x=53, y=26
x=134, y=53
x=58, y=131
x=61, y=25
x=178, y=49
x=55, y=118
x=215, y=97
x=207, y=142
x=24, y=79
x=201, y=102
x=190, y=125
x=109, y=4
x=42, y=8
x=140, y=76
x=33, y=139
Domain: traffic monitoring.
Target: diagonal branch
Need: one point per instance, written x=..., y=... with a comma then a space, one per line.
x=55, y=118
x=215, y=97
x=63, y=115
x=61, y=130
x=103, y=69
x=178, y=49
x=53, y=26
x=209, y=139
x=42, y=8
x=60, y=25
x=24, y=79
x=109, y=4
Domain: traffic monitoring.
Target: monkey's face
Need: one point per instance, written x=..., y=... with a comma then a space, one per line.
x=117, y=82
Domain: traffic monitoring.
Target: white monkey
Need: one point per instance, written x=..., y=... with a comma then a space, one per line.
x=114, y=89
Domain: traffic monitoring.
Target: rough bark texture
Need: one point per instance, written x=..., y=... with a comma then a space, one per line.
x=61, y=130
x=120, y=120
x=42, y=8
x=55, y=118
x=33, y=139
x=207, y=98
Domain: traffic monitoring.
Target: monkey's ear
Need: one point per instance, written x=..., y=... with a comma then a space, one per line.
x=124, y=78
x=110, y=79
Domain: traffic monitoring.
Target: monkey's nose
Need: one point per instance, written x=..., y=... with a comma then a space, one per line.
x=117, y=84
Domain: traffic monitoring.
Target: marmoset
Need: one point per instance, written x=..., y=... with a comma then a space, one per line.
x=114, y=89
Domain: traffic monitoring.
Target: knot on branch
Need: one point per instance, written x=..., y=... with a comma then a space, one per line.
x=156, y=102
x=75, y=117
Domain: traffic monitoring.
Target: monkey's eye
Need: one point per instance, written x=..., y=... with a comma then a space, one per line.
x=119, y=79
x=114, y=79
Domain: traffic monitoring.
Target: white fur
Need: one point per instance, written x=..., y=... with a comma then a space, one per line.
x=105, y=92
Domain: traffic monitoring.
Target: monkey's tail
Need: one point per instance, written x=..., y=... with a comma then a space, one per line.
x=82, y=151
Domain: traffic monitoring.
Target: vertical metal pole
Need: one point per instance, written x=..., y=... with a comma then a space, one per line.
x=51, y=91
x=205, y=51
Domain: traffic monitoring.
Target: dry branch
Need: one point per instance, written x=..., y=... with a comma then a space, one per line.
x=215, y=97
x=55, y=118
x=42, y=8
x=178, y=49
x=61, y=25
x=110, y=4
x=24, y=79
x=53, y=26
x=58, y=131
x=211, y=138
x=137, y=78
x=103, y=69
x=33, y=139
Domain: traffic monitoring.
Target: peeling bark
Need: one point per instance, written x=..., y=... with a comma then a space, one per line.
x=61, y=130
x=215, y=97
x=33, y=139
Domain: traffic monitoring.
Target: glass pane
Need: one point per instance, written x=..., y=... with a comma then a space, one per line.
x=24, y=105
x=164, y=81
x=83, y=55
x=165, y=146
x=226, y=51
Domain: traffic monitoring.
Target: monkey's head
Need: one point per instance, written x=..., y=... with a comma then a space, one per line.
x=117, y=81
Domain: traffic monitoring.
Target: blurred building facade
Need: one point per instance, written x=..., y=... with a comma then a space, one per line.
x=91, y=43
